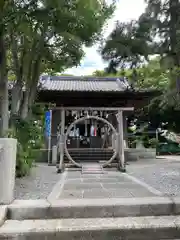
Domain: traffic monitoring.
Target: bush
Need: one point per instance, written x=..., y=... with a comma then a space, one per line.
x=30, y=138
x=24, y=163
x=153, y=142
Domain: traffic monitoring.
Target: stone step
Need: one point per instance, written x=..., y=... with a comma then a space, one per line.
x=88, y=208
x=100, y=157
x=96, y=155
x=92, y=155
x=90, y=149
x=129, y=228
x=3, y=214
x=92, y=169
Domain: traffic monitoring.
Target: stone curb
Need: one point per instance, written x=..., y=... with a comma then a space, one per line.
x=88, y=208
x=3, y=214
x=131, y=228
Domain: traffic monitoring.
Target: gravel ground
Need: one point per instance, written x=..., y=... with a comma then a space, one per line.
x=39, y=184
x=162, y=174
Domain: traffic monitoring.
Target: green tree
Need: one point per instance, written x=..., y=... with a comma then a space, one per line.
x=128, y=46
x=149, y=76
x=61, y=30
x=165, y=20
x=165, y=24
x=7, y=15
x=157, y=31
x=45, y=35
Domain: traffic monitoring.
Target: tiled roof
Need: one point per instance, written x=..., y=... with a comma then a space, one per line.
x=84, y=84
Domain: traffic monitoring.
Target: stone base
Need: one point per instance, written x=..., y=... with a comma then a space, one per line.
x=3, y=214
x=86, y=208
x=143, y=218
x=7, y=169
x=137, y=228
x=135, y=154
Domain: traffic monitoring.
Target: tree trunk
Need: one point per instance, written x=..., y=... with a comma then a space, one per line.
x=32, y=95
x=34, y=82
x=4, y=100
x=174, y=7
x=32, y=79
x=173, y=30
x=16, y=99
x=25, y=106
x=19, y=62
x=4, y=106
x=31, y=90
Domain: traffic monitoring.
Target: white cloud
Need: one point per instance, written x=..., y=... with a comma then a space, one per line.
x=89, y=63
x=126, y=11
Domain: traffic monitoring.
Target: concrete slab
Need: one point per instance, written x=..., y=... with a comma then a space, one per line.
x=3, y=214
x=73, y=174
x=58, y=188
x=120, y=186
x=72, y=194
x=29, y=203
x=93, y=176
x=86, y=208
x=81, y=186
x=130, y=228
x=96, y=193
x=74, y=181
x=112, y=185
x=144, y=185
x=120, y=194
x=30, y=208
x=142, y=194
x=104, y=180
x=176, y=205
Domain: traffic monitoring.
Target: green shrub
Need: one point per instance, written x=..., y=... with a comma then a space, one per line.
x=30, y=136
x=30, y=139
x=23, y=163
x=153, y=142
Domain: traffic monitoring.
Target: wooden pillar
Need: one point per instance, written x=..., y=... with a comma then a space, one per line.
x=86, y=124
x=62, y=129
x=121, y=163
x=75, y=124
x=125, y=130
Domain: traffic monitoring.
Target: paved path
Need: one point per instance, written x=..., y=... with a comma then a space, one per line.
x=151, y=178
x=111, y=184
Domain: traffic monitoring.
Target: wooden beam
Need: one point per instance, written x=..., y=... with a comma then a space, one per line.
x=95, y=108
x=121, y=142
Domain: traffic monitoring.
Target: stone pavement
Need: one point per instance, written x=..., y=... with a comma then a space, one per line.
x=127, y=206
x=143, y=179
x=111, y=184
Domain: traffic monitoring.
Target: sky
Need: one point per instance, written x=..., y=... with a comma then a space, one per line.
x=126, y=11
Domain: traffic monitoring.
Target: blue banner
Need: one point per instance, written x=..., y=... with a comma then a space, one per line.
x=48, y=116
